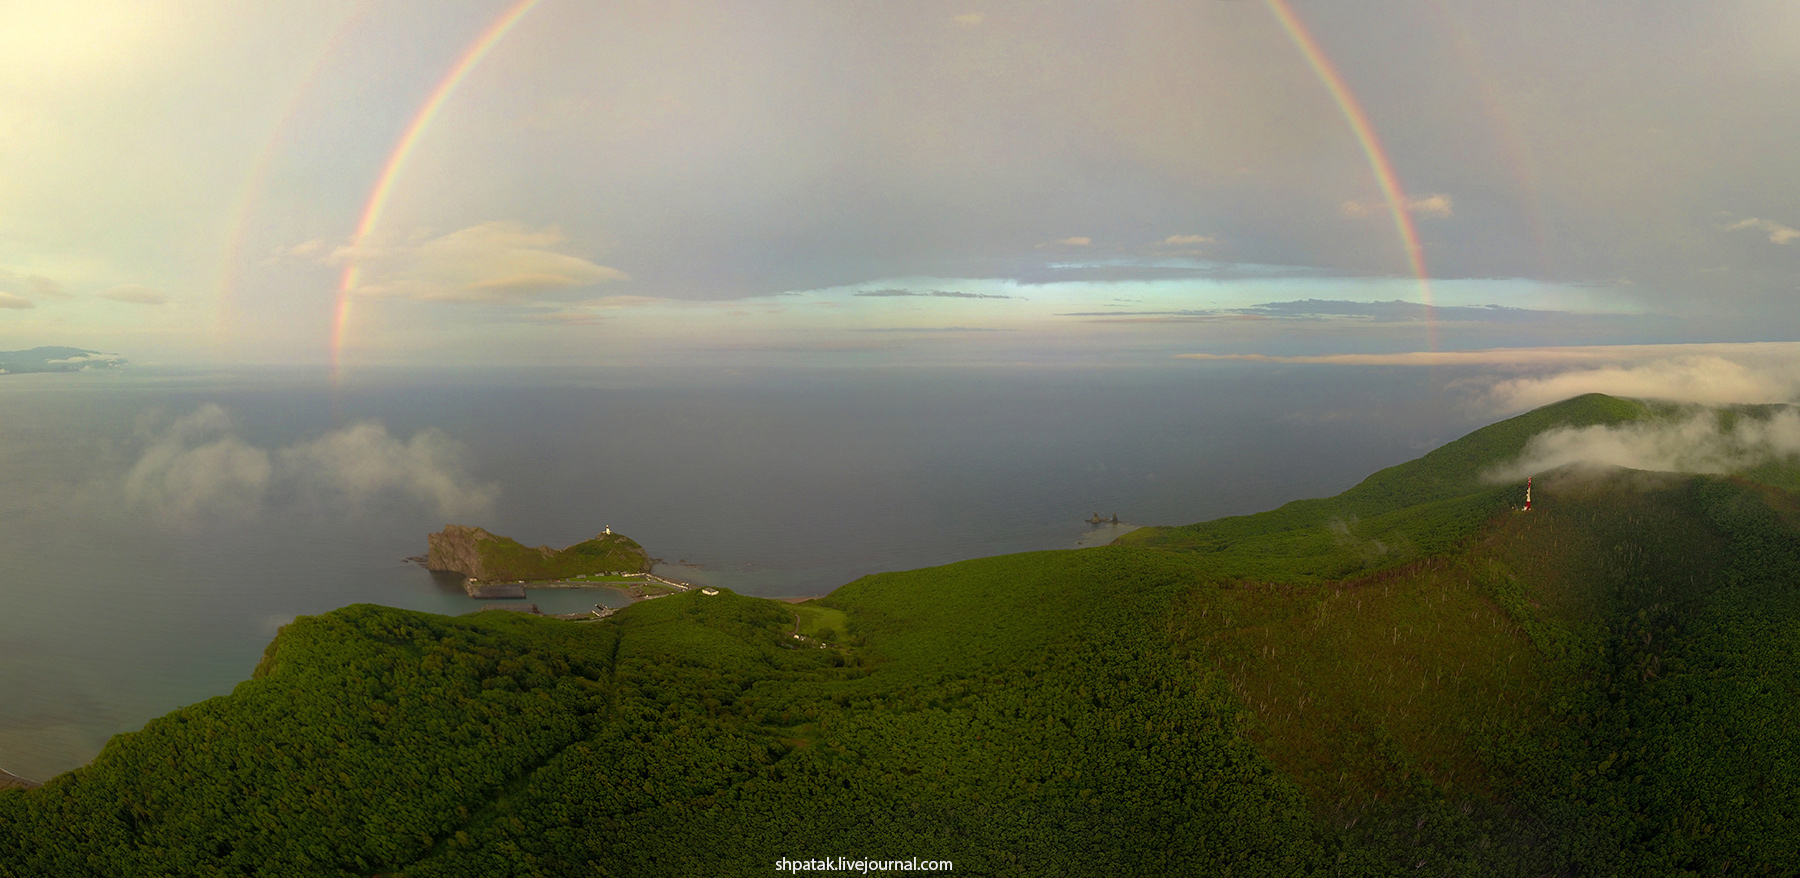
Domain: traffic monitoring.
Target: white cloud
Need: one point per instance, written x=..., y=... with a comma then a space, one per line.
x=86, y=358
x=197, y=467
x=8, y=300
x=492, y=263
x=135, y=294
x=1700, y=379
x=1435, y=206
x=1778, y=233
x=315, y=250
x=969, y=19
x=361, y=462
x=1699, y=442
x=1076, y=241
x=1188, y=240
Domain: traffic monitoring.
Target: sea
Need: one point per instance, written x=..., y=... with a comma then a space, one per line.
x=159, y=526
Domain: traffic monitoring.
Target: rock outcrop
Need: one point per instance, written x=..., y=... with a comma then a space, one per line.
x=453, y=550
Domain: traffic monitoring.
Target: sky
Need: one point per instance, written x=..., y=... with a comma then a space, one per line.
x=370, y=182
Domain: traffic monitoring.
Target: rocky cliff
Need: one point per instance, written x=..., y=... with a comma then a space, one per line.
x=454, y=550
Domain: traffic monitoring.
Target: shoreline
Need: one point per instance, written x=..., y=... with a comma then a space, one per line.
x=634, y=586
x=8, y=780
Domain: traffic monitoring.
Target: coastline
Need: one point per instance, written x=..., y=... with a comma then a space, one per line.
x=10, y=781
x=638, y=587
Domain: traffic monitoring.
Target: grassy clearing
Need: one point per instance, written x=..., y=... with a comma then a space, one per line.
x=822, y=623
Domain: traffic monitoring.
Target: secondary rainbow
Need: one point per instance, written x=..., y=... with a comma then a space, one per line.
x=1383, y=168
x=384, y=184
x=231, y=265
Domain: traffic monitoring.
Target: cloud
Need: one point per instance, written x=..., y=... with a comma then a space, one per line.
x=92, y=358
x=44, y=288
x=1706, y=374
x=1783, y=351
x=1699, y=379
x=590, y=311
x=34, y=285
x=198, y=468
x=1436, y=206
x=491, y=263
x=969, y=19
x=566, y=318
x=135, y=294
x=315, y=250
x=1778, y=233
x=941, y=294
x=362, y=462
x=1076, y=241
x=1188, y=240
x=8, y=300
x=1698, y=442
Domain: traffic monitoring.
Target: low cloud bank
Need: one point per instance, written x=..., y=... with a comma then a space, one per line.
x=198, y=467
x=1708, y=380
x=1702, y=441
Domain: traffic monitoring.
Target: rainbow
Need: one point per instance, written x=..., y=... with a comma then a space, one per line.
x=1379, y=163
x=1515, y=152
x=384, y=184
x=230, y=267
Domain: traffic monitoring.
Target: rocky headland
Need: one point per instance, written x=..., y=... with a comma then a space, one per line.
x=486, y=557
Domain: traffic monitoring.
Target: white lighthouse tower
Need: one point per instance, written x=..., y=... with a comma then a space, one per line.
x=1527, y=495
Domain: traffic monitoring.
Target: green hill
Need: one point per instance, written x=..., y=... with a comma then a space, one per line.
x=1602, y=686
x=486, y=557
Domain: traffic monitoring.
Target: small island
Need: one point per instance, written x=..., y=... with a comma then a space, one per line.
x=494, y=566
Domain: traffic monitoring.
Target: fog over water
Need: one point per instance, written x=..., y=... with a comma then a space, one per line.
x=159, y=527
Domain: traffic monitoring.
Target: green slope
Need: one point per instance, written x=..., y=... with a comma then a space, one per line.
x=1602, y=686
x=507, y=558
x=1414, y=510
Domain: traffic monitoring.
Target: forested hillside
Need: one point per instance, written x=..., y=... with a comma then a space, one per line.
x=1353, y=686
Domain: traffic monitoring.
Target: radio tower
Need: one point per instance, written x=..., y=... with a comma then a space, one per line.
x=1527, y=494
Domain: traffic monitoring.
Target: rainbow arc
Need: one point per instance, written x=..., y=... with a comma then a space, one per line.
x=403, y=149
x=1379, y=163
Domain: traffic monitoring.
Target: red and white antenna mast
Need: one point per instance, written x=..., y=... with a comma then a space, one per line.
x=1527, y=493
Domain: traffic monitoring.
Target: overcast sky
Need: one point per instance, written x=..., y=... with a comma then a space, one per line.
x=184, y=182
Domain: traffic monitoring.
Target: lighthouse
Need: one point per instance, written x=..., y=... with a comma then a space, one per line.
x=1527, y=495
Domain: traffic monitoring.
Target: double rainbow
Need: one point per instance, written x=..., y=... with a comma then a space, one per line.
x=1373, y=151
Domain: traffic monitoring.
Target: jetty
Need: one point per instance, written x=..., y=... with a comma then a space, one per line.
x=531, y=609
x=487, y=590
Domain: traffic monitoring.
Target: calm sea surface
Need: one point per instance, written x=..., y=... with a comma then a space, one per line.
x=157, y=528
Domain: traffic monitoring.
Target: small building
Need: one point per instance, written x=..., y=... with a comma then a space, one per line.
x=709, y=591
